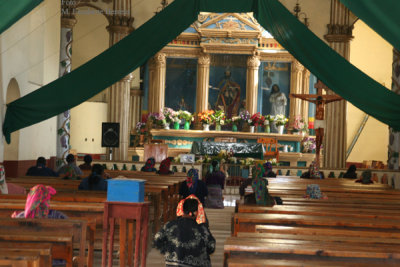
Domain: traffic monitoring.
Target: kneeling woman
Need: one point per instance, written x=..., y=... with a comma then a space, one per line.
x=215, y=180
x=259, y=186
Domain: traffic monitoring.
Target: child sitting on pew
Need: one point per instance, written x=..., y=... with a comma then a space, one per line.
x=186, y=241
x=95, y=181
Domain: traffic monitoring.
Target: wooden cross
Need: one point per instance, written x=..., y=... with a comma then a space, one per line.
x=319, y=100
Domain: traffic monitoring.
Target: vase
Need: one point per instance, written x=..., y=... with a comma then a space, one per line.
x=267, y=128
x=166, y=126
x=280, y=129
x=234, y=128
x=218, y=127
x=206, y=127
x=186, y=126
x=141, y=139
x=176, y=125
x=252, y=128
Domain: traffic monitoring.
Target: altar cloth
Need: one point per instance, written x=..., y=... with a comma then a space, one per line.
x=252, y=150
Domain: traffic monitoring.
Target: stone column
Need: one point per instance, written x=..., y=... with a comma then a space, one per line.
x=119, y=93
x=253, y=64
x=296, y=87
x=339, y=37
x=68, y=21
x=394, y=137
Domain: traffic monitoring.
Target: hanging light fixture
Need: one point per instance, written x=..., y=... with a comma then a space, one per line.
x=164, y=4
x=298, y=14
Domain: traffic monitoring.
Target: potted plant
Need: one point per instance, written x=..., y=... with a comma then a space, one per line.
x=235, y=120
x=268, y=120
x=280, y=121
x=168, y=114
x=308, y=144
x=245, y=118
x=206, y=118
x=219, y=119
x=156, y=118
x=299, y=126
x=255, y=120
x=187, y=116
x=176, y=120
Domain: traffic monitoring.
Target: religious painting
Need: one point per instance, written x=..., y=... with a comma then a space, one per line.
x=274, y=88
x=180, y=84
x=227, y=89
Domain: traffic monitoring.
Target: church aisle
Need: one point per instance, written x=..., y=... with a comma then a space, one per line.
x=220, y=226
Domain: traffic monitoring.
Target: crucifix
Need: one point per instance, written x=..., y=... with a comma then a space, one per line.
x=319, y=100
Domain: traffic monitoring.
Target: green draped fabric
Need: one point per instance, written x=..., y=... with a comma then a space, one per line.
x=131, y=52
x=382, y=16
x=12, y=10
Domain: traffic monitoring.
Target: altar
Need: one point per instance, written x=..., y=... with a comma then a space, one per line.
x=181, y=141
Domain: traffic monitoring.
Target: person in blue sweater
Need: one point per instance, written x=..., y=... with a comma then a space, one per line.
x=95, y=181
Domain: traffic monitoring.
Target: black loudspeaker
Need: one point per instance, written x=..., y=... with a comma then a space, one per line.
x=110, y=134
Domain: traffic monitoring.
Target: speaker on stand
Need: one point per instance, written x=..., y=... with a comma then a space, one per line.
x=110, y=135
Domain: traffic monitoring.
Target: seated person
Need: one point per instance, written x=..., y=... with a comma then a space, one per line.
x=215, y=181
x=88, y=163
x=95, y=181
x=365, y=178
x=268, y=170
x=149, y=165
x=260, y=195
x=313, y=191
x=351, y=172
x=186, y=241
x=194, y=186
x=9, y=188
x=37, y=204
x=40, y=169
x=70, y=170
x=164, y=167
x=313, y=172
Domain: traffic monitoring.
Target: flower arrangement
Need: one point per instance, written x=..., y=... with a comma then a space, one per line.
x=235, y=120
x=308, y=144
x=256, y=119
x=299, y=124
x=219, y=117
x=186, y=115
x=247, y=161
x=140, y=127
x=245, y=116
x=206, y=117
x=157, y=118
x=269, y=119
x=273, y=162
x=168, y=114
x=280, y=119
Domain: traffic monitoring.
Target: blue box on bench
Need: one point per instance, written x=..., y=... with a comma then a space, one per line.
x=125, y=190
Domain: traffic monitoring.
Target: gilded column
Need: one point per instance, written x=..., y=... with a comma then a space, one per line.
x=119, y=93
x=305, y=90
x=296, y=87
x=203, y=78
x=157, y=86
x=339, y=37
x=135, y=106
x=68, y=21
x=253, y=64
x=394, y=137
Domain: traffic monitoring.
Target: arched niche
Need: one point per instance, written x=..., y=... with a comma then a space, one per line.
x=11, y=150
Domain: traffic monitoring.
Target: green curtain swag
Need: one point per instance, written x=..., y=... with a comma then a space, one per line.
x=382, y=16
x=131, y=52
x=12, y=10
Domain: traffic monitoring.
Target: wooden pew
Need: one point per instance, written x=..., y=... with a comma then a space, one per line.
x=61, y=233
x=40, y=253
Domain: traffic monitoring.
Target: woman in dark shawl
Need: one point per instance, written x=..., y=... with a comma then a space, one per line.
x=149, y=165
x=215, y=181
x=193, y=185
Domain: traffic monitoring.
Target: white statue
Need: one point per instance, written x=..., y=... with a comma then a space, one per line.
x=278, y=101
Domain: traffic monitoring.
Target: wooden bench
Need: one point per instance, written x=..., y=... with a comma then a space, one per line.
x=61, y=233
x=32, y=254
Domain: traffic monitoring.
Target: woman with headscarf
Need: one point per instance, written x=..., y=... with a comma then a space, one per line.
x=38, y=204
x=164, y=167
x=260, y=195
x=149, y=165
x=215, y=181
x=186, y=241
x=351, y=172
x=194, y=186
x=268, y=170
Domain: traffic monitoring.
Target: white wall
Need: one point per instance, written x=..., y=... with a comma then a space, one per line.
x=30, y=54
x=86, y=120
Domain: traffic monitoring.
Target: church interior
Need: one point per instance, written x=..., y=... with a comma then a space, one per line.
x=289, y=87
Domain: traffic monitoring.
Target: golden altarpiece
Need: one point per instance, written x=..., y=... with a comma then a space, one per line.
x=215, y=49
